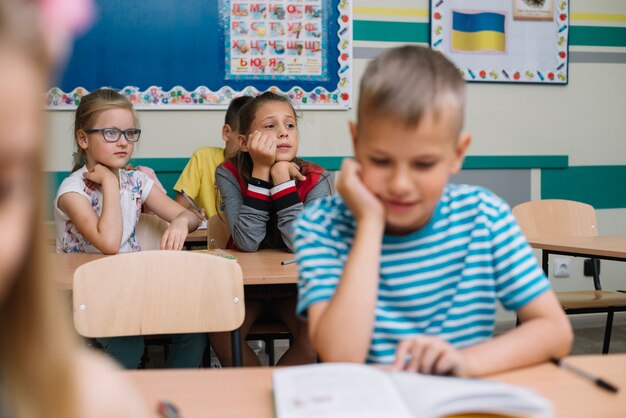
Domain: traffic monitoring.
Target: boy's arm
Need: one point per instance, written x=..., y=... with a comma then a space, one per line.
x=521, y=285
x=190, y=179
x=181, y=220
x=544, y=333
x=341, y=328
x=105, y=231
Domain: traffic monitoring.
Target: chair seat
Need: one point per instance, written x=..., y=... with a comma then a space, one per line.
x=591, y=299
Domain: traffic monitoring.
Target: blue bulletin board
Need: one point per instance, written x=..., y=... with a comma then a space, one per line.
x=166, y=54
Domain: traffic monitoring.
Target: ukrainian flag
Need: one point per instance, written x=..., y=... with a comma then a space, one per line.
x=482, y=31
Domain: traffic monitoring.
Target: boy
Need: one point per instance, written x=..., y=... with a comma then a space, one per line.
x=198, y=177
x=402, y=268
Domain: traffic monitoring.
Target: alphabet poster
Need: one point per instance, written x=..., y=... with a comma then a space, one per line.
x=199, y=54
x=276, y=39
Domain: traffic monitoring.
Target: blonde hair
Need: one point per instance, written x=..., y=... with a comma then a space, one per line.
x=409, y=81
x=36, y=374
x=87, y=112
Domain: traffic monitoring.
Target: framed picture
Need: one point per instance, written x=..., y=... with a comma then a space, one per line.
x=533, y=10
x=515, y=41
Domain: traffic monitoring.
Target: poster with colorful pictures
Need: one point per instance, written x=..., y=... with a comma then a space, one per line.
x=517, y=41
x=276, y=39
x=301, y=49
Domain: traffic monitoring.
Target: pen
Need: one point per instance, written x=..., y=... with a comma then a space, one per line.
x=582, y=373
x=167, y=410
x=285, y=262
x=186, y=196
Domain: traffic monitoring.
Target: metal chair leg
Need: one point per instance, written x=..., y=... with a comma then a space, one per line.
x=235, y=342
x=607, y=332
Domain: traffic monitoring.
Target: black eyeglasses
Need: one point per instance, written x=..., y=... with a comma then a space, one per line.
x=114, y=134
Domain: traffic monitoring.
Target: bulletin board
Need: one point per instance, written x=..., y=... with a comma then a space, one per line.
x=516, y=41
x=199, y=54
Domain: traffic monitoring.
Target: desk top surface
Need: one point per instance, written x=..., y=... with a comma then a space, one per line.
x=248, y=392
x=602, y=246
x=259, y=268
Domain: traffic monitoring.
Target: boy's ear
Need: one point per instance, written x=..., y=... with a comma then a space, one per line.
x=353, y=133
x=460, y=149
x=226, y=131
x=243, y=142
x=81, y=139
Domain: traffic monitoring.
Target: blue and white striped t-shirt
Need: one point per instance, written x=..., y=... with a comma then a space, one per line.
x=443, y=279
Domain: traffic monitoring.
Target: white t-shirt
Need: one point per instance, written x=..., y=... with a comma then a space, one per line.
x=134, y=189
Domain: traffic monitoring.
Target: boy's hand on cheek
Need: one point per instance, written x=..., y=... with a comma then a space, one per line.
x=262, y=149
x=361, y=201
x=429, y=355
x=283, y=171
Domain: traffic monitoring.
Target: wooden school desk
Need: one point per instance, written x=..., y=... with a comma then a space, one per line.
x=198, y=237
x=259, y=268
x=247, y=392
x=604, y=247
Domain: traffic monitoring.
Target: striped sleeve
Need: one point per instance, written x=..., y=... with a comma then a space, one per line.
x=285, y=195
x=519, y=279
x=258, y=195
x=319, y=264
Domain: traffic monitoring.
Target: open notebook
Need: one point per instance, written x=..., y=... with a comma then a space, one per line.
x=354, y=390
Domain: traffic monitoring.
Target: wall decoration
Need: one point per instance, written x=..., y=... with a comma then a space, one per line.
x=199, y=54
x=517, y=41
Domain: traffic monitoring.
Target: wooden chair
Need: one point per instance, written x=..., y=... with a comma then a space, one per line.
x=567, y=218
x=218, y=233
x=149, y=231
x=159, y=292
x=268, y=331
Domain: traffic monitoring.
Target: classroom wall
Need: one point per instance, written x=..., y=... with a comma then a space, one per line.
x=585, y=120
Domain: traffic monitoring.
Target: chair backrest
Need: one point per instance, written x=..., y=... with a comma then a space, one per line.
x=149, y=231
x=556, y=218
x=218, y=231
x=157, y=292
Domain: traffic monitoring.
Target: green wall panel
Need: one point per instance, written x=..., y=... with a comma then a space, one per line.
x=373, y=30
x=603, y=187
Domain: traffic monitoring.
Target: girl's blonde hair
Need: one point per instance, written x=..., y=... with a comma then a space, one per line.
x=91, y=106
x=37, y=377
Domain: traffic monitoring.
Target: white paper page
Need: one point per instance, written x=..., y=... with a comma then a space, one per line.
x=433, y=396
x=336, y=390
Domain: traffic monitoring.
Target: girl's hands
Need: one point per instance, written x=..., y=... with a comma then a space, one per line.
x=262, y=150
x=175, y=235
x=360, y=200
x=99, y=175
x=283, y=171
x=429, y=355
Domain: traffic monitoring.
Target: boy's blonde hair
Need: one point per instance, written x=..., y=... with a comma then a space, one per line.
x=409, y=81
x=90, y=107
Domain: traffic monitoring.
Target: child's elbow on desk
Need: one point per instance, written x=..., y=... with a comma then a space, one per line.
x=109, y=249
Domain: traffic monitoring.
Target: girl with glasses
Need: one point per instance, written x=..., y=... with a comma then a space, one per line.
x=98, y=206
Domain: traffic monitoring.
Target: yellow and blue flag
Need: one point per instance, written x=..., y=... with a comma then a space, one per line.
x=482, y=31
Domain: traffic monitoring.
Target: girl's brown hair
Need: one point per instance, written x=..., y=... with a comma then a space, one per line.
x=242, y=159
x=36, y=348
x=87, y=112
